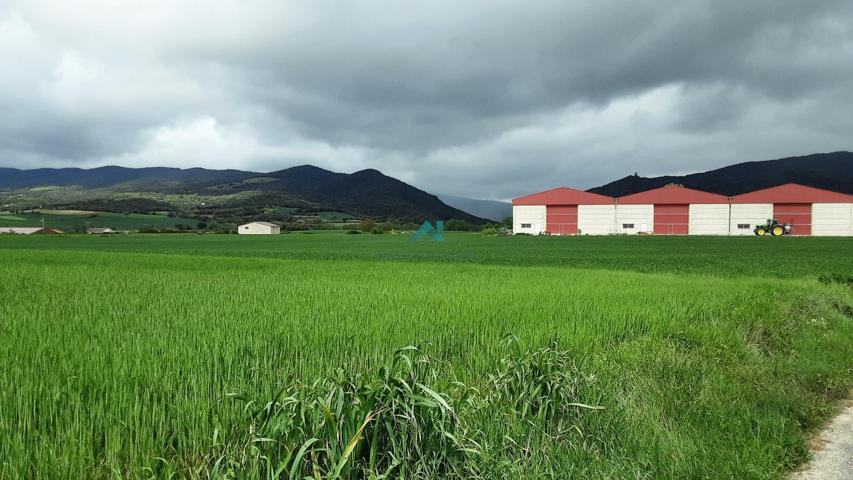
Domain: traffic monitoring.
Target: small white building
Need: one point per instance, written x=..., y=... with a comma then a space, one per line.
x=259, y=228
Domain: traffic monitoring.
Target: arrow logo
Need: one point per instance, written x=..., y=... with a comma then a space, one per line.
x=435, y=232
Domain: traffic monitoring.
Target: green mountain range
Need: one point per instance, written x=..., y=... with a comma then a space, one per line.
x=224, y=193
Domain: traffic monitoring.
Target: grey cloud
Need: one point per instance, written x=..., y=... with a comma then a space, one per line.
x=490, y=99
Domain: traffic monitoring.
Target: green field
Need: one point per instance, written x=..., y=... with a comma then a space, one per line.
x=79, y=221
x=357, y=356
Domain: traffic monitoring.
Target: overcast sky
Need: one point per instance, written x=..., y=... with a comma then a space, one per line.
x=487, y=99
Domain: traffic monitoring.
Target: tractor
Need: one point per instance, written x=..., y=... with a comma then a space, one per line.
x=773, y=227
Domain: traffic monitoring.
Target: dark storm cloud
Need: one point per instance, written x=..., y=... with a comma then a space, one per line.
x=490, y=99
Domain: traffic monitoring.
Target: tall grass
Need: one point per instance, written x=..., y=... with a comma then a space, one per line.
x=141, y=365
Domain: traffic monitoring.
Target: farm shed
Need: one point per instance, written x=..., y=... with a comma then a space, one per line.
x=809, y=210
x=673, y=210
x=564, y=211
x=259, y=228
x=677, y=210
x=30, y=230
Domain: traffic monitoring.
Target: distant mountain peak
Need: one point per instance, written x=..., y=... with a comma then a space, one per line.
x=301, y=169
x=369, y=172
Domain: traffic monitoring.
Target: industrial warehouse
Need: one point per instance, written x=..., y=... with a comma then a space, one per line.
x=789, y=209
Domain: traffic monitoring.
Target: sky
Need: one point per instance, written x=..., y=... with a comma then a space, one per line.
x=481, y=98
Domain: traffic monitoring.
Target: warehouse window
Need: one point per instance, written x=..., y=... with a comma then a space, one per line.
x=627, y=225
x=526, y=225
x=743, y=226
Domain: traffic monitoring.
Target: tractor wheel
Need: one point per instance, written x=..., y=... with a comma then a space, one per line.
x=760, y=232
x=778, y=230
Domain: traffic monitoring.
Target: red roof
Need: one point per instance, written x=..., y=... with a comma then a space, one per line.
x=793, y=193
x=672, y=195
x=563, y=196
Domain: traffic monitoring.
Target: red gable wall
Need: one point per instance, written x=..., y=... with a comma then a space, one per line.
x=563, y=196
x=793, y=193
x=672, y=195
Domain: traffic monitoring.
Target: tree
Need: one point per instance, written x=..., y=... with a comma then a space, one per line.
x=201, y=225
x=367, y=225
x=455, y=225
x=507, y=223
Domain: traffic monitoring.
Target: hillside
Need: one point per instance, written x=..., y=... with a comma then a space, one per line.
x=366, y=192
x=832, y=171
x=118, y=177
x=233, y=193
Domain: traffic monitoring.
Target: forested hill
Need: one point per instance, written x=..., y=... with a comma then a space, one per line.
x=832, y=171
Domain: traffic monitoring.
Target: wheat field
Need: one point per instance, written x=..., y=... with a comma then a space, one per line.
x=333, y=356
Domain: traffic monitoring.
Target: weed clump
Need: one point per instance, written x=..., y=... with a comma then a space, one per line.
x=404, y=422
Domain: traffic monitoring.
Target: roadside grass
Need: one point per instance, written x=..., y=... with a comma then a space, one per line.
x=298, y=362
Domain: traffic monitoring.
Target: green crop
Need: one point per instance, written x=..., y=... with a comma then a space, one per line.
x=371, y=356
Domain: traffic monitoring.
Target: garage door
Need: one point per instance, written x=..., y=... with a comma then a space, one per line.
x=799, y=215
x=562, y=219
x=672, y=219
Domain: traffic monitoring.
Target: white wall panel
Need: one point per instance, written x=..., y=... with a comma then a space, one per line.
x=832, y=219
x=534, y=215
x=709, y=219
x=640, y=216
x=596, y=219
x=750, y=214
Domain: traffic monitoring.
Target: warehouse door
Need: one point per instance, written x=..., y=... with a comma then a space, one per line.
x=672, y=219
x=798, y=215
x=562, y=219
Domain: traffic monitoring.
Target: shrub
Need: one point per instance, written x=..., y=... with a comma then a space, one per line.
x=367, y=225
x=455, y=225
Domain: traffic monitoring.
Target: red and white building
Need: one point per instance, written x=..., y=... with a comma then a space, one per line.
x=673, y=210
x=564, y=211
x=676, y=210
x=809, y=210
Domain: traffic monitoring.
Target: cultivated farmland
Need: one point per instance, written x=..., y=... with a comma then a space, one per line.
x=71, y=220
x=356, y=356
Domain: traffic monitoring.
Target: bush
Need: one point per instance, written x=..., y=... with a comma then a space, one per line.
x=367, y=225
x=377, y=231
x=455, y=225
x=353, y=232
